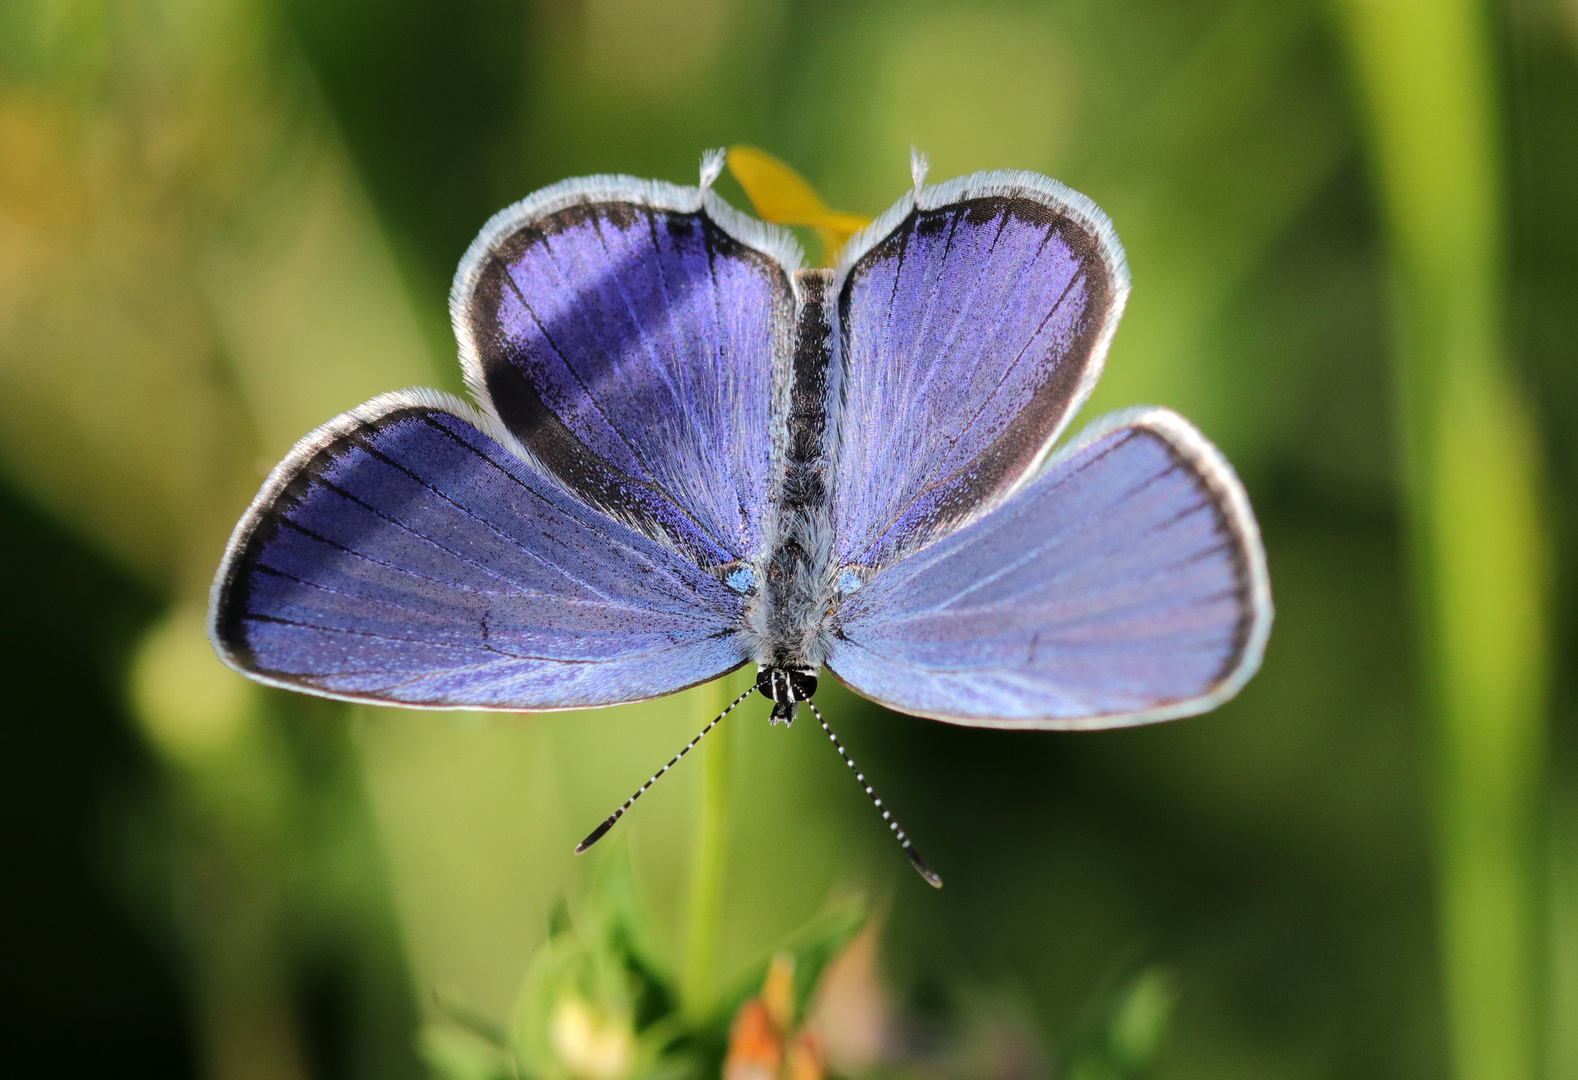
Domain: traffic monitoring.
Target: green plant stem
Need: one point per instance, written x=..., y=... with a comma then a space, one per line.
x=1471, y=472
x=704, y=917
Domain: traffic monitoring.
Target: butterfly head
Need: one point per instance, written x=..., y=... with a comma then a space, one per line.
x=785, y=687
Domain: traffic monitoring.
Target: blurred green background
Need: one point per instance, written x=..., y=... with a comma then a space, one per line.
x=1353, y=231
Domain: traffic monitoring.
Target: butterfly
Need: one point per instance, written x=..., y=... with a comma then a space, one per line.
x=686, y=452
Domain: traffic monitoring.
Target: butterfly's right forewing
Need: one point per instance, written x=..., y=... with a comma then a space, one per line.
x=973, y=322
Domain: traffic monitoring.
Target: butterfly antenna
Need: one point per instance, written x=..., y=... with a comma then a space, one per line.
x=602, y=830
x=904, y=841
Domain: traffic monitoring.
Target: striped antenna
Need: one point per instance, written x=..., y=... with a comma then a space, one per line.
x=893, y=826
x=602, y=830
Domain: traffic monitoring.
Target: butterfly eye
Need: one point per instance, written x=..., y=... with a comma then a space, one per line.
x=802, y=683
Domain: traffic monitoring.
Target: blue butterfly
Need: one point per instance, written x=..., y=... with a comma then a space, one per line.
x=689, y=453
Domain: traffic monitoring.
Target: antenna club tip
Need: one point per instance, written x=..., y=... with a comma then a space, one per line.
x=925, y=871
x=597, y=834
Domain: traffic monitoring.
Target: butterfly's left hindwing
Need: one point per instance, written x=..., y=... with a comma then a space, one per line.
x=402, y=555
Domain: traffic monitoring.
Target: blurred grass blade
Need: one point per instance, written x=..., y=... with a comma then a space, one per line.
x=1472, y=477
x=709, y=853
x=784, y=197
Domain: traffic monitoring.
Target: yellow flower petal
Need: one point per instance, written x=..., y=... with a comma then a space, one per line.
x=783, y=197
x=778, y=990
x=590, y=1044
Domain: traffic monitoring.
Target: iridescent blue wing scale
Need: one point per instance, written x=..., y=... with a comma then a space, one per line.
x=570, y=544
x=1124, y=584
x=403, y=555
x=630, y=336
x=974, y=318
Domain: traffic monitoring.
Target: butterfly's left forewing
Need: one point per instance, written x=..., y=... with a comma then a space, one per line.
x=632, y=337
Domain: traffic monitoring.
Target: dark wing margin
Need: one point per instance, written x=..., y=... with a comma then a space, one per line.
x=975, y=317
x=632, y=337
x=403, y=555
x=1125, y=584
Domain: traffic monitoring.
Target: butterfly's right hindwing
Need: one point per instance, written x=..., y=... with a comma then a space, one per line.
x=1124, y=584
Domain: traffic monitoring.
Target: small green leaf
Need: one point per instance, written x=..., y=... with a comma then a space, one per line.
x=598, y=1001
x=1127, y=1035
x=1138, y=1026
x=454, y=1054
